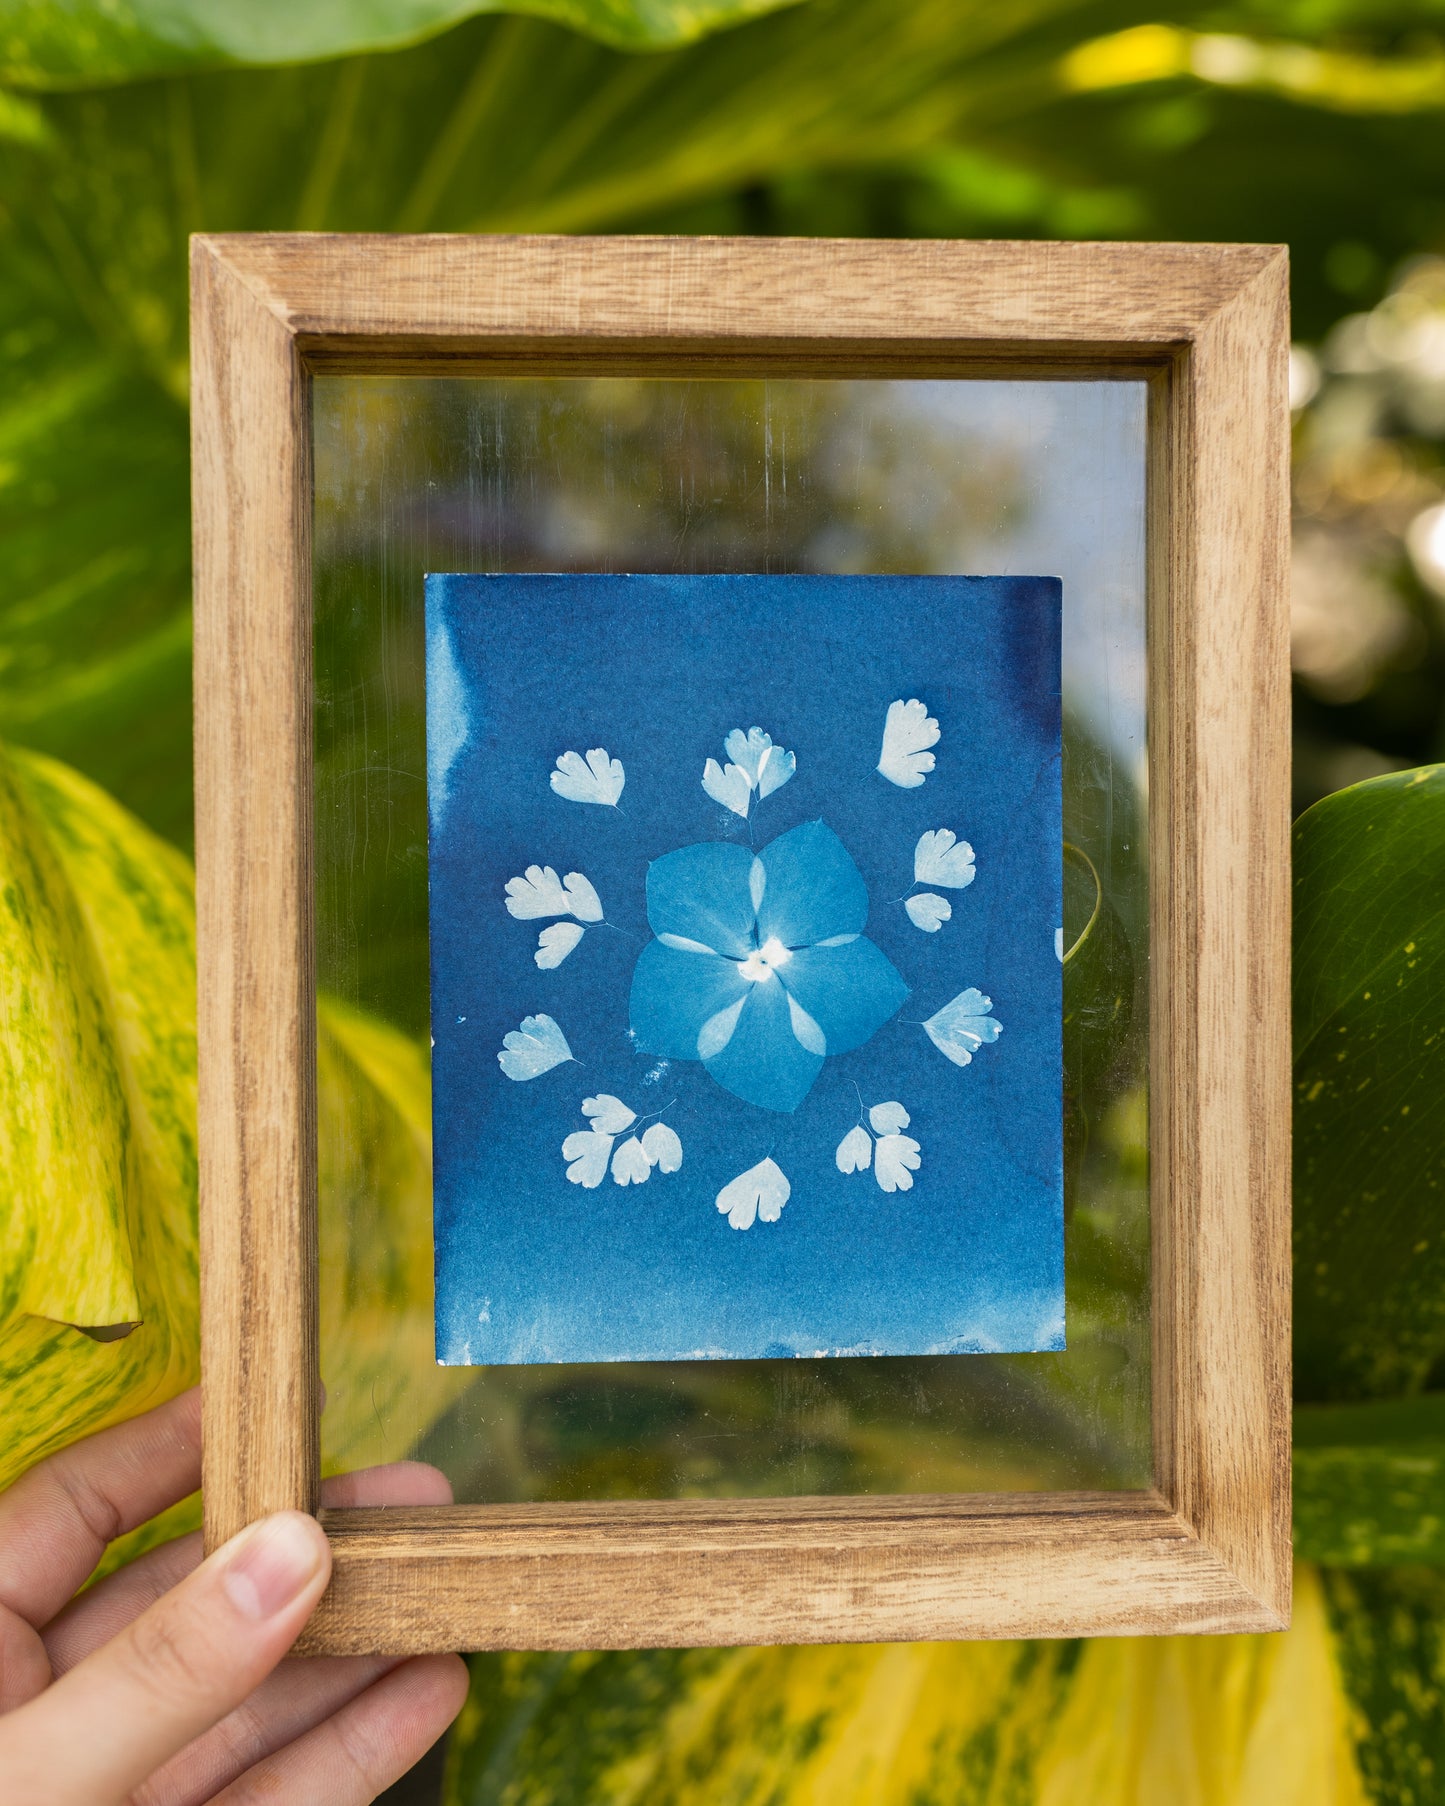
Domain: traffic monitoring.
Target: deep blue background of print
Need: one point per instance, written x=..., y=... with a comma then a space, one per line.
x=657, y=669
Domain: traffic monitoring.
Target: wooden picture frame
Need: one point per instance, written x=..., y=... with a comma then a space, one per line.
x=1208, y=1547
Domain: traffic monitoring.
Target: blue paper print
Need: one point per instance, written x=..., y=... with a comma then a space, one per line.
x=745, y=901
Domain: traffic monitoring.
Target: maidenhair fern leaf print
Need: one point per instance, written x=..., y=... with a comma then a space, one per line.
x=703, y=912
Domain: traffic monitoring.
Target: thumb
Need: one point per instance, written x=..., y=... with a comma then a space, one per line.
x=171, y=1674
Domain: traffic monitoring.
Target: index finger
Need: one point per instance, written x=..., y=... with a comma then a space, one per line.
x=56, y=1520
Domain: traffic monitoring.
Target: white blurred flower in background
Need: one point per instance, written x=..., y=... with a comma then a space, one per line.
x=1425, y=542
x=1347, y=624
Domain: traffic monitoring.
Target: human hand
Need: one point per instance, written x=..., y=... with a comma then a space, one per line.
x=161, y=1686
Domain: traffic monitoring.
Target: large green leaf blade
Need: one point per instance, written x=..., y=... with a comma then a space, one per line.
x=90, y=42
x=101, y=1232
x=1369, y=1074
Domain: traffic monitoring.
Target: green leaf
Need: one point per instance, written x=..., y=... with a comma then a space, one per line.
x=1369, y=1482
x=1252, y=1721
x=501, y=122
x=98, y=1148
x=1388, y=1637
x=1369, y=1074
x=89, y=42
x=104, y=910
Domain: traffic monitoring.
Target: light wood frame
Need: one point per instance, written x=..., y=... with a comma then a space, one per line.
x=1207, y=1548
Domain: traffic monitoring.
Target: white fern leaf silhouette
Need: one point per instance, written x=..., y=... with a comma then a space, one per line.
x=855, y=1151
x=607, y=1113
x=766, y=766
x=630, y=1165
x=896, y=1162
x=534, y=1048
x=555, y=942
x=589, y=1152
x=598, y=780
x=582, y=898
x=907, y=733
x=776, y=768
x=747, y=751
x=732, y=788
x=662, y=1147
x=928, y=911
x=539, y=892
x=962, y=1026
x=888, y=1119
x=942, y=858
x=759, y=1193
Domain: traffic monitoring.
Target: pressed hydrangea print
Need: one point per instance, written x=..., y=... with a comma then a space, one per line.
x=761, y=968
x=746, y=1004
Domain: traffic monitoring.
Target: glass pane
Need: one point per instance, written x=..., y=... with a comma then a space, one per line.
x=650, y=474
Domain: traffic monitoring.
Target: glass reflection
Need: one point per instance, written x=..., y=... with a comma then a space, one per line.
x=645, y=474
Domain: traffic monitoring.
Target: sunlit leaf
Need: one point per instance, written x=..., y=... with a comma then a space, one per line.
x=944, y=116
x=1252, y=1721
x=99, y=901
x=88, y=42
x=100, y=1213
x=1369, y=1074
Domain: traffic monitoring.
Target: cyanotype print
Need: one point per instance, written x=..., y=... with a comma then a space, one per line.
x=745, y=938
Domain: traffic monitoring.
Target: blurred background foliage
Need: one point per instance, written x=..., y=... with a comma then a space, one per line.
x=1313, y=122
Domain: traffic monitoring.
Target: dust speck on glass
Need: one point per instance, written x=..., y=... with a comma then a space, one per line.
x=729, y=957
x=693, y=478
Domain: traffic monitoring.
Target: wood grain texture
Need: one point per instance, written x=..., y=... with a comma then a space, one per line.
x=1207, y=326
x=393, y=298
x=256, y=1016
x=1220, y=936
x=652, y=1574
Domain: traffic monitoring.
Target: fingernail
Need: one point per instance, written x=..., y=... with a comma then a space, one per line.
x=271, y=1563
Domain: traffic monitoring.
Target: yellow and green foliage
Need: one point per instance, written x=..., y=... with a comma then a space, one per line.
x=100, y=1321
x=97, y=1113
x=1173, y=1721
x=99, y=1315
x=123, y=129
